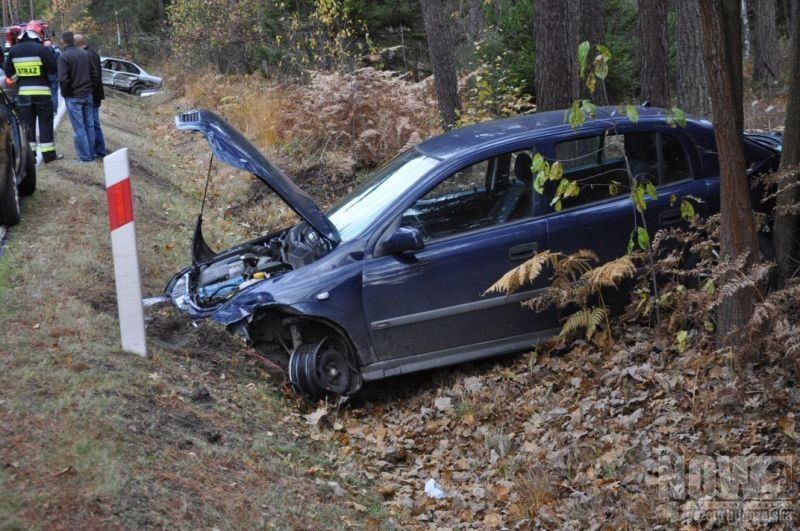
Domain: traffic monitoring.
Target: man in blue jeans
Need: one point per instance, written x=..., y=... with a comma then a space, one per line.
x=98, y=95
x=76, y=77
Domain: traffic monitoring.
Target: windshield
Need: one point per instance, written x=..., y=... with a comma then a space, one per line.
x=364, y=204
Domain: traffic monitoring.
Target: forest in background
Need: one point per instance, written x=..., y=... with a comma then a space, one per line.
x=493, y=39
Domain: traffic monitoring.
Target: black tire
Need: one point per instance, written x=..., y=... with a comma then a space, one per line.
x=9, y=197
x=137, y=90
x=303, y=371
x=320, y=369
x=28, y=184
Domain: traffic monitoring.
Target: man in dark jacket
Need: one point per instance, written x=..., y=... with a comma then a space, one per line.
x=28, y=64
x=98, y=95
x=76, y=77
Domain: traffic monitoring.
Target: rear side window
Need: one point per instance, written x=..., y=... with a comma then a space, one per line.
x=598, y=164
x=675, y=164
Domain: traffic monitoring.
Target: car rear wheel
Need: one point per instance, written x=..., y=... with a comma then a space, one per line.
x=28, y=184
x=322, y=368
x=137, y=90
x=9, y=197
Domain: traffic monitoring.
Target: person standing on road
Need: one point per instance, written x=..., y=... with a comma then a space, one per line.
x=98, y=95
x=29, y=64
x=53, y=78
x=76, y=77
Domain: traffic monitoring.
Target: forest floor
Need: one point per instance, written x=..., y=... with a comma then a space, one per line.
x=199, y=435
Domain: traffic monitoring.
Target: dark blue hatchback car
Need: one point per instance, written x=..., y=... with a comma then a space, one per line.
x=391, y=280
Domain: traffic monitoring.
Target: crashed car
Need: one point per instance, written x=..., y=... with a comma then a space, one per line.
x=17, y=162
x=392, y=279
x=127, y=76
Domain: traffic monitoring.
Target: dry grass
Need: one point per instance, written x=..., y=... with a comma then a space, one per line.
x=334, y=125
x=195, y=436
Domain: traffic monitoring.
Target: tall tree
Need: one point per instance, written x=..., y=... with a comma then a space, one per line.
x=691, y=66
x=737, y=227
x=592, y=29
x=763, y=41
x=442, y=51
x=654, y=44
x=556, y=53
x=593, y=26
x=787, y=247
x=731, y=34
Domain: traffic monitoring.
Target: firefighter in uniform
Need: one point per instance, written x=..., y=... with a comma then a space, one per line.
x=29, y=64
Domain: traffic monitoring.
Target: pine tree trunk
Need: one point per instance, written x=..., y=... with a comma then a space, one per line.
x=737, y=227
x=442, y=51
x=593, y=30
x=731, y=34
x=654, y=44
x=763, y=41
x=786, y=224
x=691, y=67
x=556, y=57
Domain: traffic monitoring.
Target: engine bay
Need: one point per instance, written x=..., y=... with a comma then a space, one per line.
x=212, y=283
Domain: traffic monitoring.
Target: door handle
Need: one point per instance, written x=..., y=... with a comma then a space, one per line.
x=524, y=251
x=671, y=216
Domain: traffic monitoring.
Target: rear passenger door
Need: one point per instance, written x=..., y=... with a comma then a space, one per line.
x=600, y=218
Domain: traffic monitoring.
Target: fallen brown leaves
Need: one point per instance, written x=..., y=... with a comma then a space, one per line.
x=568, y=440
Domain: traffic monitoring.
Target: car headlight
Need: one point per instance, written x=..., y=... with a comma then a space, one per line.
x=180, y=293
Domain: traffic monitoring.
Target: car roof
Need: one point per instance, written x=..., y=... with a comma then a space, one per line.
x=485, y=134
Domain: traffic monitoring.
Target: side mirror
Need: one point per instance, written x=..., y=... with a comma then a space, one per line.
x=404, y=239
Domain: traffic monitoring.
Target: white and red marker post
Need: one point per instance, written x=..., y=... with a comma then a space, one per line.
x=123, y=246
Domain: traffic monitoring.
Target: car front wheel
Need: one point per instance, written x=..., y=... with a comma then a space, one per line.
x=320, y=369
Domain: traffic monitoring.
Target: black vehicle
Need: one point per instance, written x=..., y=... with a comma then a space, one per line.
x=17, y=162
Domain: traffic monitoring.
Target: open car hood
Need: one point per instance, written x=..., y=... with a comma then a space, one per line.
x=230, y=146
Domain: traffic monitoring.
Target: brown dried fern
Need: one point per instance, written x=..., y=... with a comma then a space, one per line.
x=524, y=273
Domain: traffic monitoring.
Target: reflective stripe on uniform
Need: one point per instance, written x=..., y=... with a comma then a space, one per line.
x=33, y=146
x=28, y=66
x=47, y=146
x=34, y=90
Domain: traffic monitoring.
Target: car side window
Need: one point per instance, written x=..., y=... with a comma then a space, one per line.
x=675, y=166
x=470, y=179
x=131, y=68
x=597, y=164
x=487, y=193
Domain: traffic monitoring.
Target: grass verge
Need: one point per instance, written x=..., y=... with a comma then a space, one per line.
x=194, y=436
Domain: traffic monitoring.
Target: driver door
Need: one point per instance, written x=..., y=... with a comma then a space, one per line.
x=430, y=304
